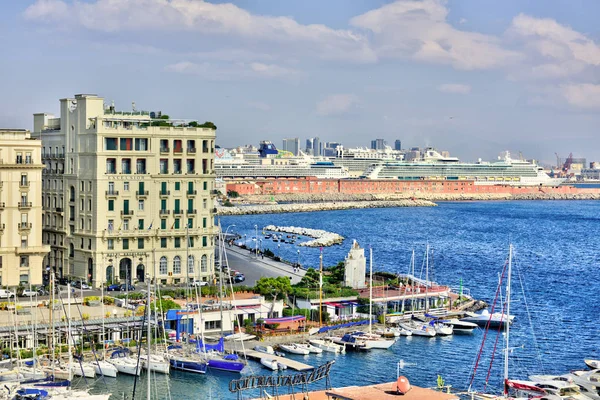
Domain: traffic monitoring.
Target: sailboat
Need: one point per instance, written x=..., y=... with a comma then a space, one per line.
x=152, y=362
x=103, y=367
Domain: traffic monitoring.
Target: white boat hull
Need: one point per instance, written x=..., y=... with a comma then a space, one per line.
x=419, y=329
x=157, y=364
x=269, y=363
x=379, y=344
x=126, y=366
x=294, y=349
x=84, y=369
x=327, y=346
x=104, y=368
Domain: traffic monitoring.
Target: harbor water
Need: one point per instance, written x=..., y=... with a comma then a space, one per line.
x=555, y=283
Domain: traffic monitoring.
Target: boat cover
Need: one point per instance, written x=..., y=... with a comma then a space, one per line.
x=220, y=346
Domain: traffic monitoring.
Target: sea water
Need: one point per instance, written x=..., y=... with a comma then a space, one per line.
x=555, y=285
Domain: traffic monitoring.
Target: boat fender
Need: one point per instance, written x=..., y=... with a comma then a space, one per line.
x=402, y=385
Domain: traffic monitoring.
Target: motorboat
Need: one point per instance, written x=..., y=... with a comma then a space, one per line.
x=388, y=332
x=418, y=328
x=462, y=327
x=123, y=363
x=310, y=348
x=373, y=341
x=350, y=342
x=264, y=349
x=402, y=331
x=327, y=345
x=588, y=382
x=593, y=364
x=157, y=363
x=270, y=363
x=104, y=368
x=495, y=320
x=294, y=349
x=559, y=389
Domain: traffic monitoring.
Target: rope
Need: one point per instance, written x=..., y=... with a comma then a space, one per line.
x=498, y=333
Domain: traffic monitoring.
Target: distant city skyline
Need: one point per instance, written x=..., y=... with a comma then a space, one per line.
x=475, y=78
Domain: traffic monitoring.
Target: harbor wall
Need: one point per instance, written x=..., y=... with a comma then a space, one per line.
x=417, y=188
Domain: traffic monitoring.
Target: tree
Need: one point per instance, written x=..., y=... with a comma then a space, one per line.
x=310, y=279
x=278, y=287
x=233, y=194
x=208, y=124
x=336, y=273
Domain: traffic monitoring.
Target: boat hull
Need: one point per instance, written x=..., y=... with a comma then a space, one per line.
x=104, y=368
x=125, y=367
x=295, y=350
x=269, y=363
x=225, y=365
x=196, y=367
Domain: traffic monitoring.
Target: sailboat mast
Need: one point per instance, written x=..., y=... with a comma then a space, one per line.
x=221, y=246
x=321, y=288
x=427, y=279
x=370, y=288
x=507, y=322
x=69, y=330
x=148, y=335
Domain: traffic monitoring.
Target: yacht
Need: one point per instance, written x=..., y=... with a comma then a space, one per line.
x=327, y=345
x=495, y=319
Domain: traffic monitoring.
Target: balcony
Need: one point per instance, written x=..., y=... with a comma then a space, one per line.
x=191, y=150
x=192, y=212
x=127, y=212
x=59, y=210
x=164, y=193
x=165, y=212
x=112, y=193
x=178, y=212
x=23, y=205
x=178, y=150
x=164, y=149
x=192, y=193
x=24, y=185
x=143, y=193
x=24, y=226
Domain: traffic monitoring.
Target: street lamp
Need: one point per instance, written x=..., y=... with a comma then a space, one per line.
x=279, y=251
x=260, y=247
x=256, y=241
x=298, y=258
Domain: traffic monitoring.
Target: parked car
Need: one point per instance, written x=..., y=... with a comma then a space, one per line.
x=239, y=278
x=199, y=283
x=114, y=288
x=6, y=294
x=63, y=281
x=28, y=293
x=80, y=285
x=127, y=287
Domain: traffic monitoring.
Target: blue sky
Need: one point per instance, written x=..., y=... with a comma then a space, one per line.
x=472, y=77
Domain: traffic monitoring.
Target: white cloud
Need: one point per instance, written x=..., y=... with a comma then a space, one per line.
x=259, y=105
x=202, y=18
x=419, y=30
x=272, y=70
x=336, y=104
x=454, y=88
x=584, y=95
x=233, y=71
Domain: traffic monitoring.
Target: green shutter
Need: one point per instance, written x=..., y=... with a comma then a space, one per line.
x=141, y=187
x=126, y=206
x=190, y=187
x=190, y=205
x=176, y=223
x=111, y=205
x=205, y=185
x=163, y=187
x=163, y=204
x=176, y=205
x=163, y=224
x=204, y=222
x=140, y=224
x=177, y=185
x=204, y=241
x=190, y=223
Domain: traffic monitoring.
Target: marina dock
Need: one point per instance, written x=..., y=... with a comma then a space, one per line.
x=293, y=364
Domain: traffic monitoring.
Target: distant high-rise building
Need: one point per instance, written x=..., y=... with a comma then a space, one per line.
x=292, y=145
x=397, y=145
x=378, y=144
x=317, y=146
x=309, y=146
x=333, y=145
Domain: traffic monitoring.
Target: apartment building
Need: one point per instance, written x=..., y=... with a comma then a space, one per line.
x=126, y=194
x=21, y=248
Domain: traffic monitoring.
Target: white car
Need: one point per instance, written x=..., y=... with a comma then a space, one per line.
x=199, y=283
x=6, y=294
x=29, y=293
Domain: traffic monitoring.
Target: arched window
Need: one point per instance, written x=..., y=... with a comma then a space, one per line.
x=203, y=264
x=162, y=269
x=177, y=265
x=191, y=264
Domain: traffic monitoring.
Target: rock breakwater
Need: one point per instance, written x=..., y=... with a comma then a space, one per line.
x=325, y=206
x=321, y=238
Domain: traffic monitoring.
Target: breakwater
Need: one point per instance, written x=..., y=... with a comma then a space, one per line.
x=320, y=206
x=321, y=238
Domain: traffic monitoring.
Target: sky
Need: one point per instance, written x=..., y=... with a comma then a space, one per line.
x=472, y=77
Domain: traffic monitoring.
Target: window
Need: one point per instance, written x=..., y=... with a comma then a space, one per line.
x=191, y=241
x=111, y=188
x=176, y=265
x=190, y=166
x=141, y=144
x=163, y=243
x=204, y=241
x=191, y=146
x=140, y=224
x=24, y=261
x=72, y=193
x=212, y=325
x=204, y=264
x=140, y=243
x=125, y=244
x=111, y=244
x=190, y=223
x=141, y=205
x=204, y=204
x=177, y=166
x=177, y=223
x=164, y=146
x=111, y=165
x=177, y=203
x=204, y=222
x=111, y=225
x=177, y=186
x=110, y=144
x=177, y=146
x=19, y=158
x=24, y=180
x=140, y=166
x=163, y=224
x=126, y=186
x=162, y=267
x=126, y=166
x=177, y=242
x=23, y=242
x=82, y=186
x=126, y=144
x=89, y=244
x=190, y=205
x=24, y=279
x=164, y=166
x=126, y=225
x=163, y=188
x=126, y=207
x=191, y=265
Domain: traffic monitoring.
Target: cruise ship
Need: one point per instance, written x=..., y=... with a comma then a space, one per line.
x=433, y=166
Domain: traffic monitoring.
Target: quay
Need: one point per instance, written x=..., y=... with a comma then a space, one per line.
x=293, y=364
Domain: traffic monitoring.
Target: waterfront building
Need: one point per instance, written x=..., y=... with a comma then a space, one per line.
x=355, y=267
x=125, y=194
x=398, y=145
x=21, y=248
x=292, y=145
